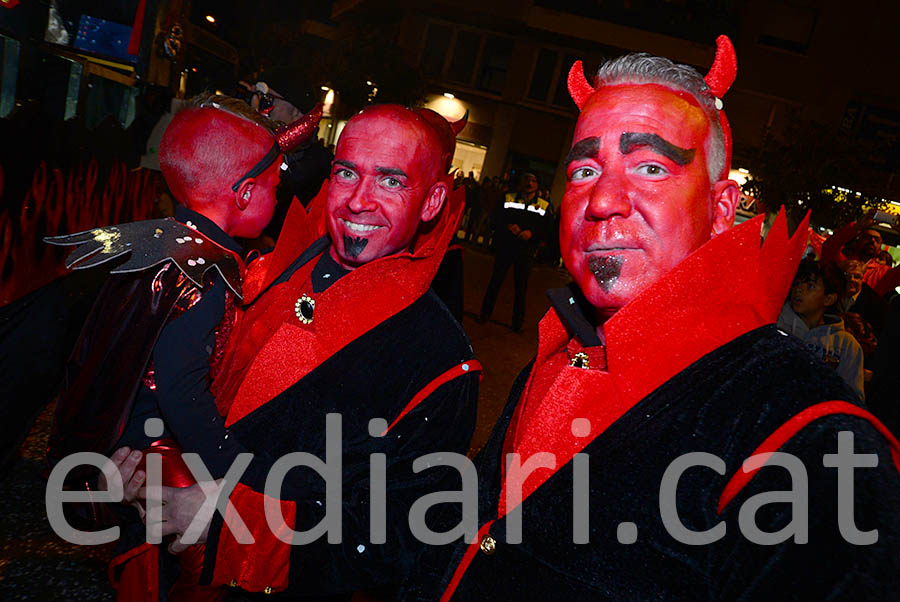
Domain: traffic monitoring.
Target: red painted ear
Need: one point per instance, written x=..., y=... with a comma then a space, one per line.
x=291, y=136
x=579, y=88
x=724, y=68
x=458, y=125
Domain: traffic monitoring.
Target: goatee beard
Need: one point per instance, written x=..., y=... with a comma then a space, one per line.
x=354, y=246
x=606, y=270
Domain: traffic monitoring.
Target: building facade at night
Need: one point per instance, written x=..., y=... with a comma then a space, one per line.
x=506, y=63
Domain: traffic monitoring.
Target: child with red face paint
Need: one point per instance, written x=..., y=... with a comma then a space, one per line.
x=124, y=387
x=616, y=470
x=339, y=319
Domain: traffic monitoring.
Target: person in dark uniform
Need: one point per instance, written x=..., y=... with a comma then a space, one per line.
x=522, y=225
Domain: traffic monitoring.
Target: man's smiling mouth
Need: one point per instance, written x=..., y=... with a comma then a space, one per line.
x=354, y=227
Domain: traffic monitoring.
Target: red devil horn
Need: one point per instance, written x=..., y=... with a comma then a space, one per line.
x=458, y=125
x=291, y=136
x=579, y=88
x=723, y=71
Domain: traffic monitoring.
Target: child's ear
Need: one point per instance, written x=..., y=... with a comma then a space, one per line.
x=830, y=299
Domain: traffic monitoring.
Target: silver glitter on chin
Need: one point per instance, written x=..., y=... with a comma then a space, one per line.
x=606, y=270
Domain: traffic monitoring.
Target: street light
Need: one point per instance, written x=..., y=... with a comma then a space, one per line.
x=210, y=18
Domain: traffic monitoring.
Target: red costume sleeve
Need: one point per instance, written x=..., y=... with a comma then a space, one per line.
x=831, y=248
x=888, y=282
x=263, y=565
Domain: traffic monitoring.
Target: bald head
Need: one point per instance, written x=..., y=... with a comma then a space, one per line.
x=209, y=145
x=398, y=123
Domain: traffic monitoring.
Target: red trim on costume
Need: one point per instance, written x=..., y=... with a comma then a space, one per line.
x=266, y=562
x=139, y=578
x=134, y=42
x=468, y=367
x=465, y=562
x=187, y=587
x=790, y=428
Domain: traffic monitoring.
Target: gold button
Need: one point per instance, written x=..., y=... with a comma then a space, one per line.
x=488, y=544
x=233, y=583
x=268, y=590
x=580, y=360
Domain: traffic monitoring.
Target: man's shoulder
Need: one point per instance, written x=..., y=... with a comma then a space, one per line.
x=429, y=322
x=755, y=384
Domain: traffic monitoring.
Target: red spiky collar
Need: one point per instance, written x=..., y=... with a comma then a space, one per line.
x=388, y=285
x=728, y=287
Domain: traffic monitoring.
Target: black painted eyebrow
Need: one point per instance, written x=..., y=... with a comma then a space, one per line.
x=392, y=171
x=583, y=149
x=628, y=141
x=348, y=164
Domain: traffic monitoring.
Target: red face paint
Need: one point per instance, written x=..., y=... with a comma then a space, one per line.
x=634, y=203
x=203, y=152
x=251, y=222
x=385, y=166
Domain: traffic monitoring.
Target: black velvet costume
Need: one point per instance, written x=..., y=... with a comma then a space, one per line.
x=351, y=383
x=729, y=415
x=378, y=344
x=740, y=390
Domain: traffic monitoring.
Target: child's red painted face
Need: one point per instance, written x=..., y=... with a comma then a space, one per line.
x=638, y=198
x=385, y=170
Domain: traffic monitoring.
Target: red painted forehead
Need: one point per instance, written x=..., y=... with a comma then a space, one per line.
x=199, y=141
x=391, y=134
x=196, y=119
x=644, y=108
x=403, y=121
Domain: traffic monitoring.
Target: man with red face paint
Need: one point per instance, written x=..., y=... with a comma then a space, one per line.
x=221, y=161
x=615, y=471
x=339, y=320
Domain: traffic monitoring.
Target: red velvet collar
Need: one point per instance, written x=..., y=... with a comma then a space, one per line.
x=728, y=287
x=388, y=285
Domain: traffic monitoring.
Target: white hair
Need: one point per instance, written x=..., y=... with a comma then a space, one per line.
x=643, y=68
